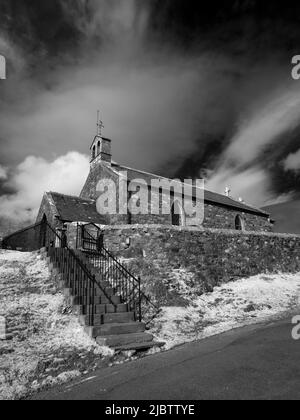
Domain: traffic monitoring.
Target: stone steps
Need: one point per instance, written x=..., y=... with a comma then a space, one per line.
x=101, y=309
x=115, y=329
x=102, y=319
x=138, y=346
x=97, y=292
x=99, y=300
x=124, y=340
x=12, y=329
x=64, y=283
x=113, y=324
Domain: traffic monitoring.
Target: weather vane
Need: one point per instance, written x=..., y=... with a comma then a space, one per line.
x=100, y=125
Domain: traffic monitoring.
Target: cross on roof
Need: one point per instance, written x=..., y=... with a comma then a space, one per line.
x=227, y=191
x=100, y=125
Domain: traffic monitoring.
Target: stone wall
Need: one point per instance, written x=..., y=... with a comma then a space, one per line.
x=210, y=256
x=99, y=171
x=9, y=226
x=26, y=240
x=48, y=209
x=218, y=217
x=163, y=256
x=215, y=217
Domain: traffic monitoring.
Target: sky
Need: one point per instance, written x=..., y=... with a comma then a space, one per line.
x=185, y=89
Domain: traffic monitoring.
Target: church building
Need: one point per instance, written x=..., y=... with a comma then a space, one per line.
x=219, y=211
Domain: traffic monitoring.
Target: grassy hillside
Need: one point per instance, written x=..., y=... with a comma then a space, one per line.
x=244, y=302
x=287, y=216
x=44, y=344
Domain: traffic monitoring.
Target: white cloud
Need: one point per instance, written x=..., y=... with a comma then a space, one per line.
x=278, y=115
x=140, y=108
x=292, y=162
x=272, y=116
x=250, y=185
x=65, y=174
x=283, y=198
x=157, y=104
x=3, y=173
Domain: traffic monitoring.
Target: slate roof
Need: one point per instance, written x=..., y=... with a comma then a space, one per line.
x=75, y=209
x=209, y=196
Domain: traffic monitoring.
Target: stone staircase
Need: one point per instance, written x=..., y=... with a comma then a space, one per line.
x=11, y=328
x=113, y=325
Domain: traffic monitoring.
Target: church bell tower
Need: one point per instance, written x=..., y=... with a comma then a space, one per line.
x=101, y=146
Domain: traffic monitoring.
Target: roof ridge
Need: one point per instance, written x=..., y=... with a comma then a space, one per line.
x=249, y=206
x=156, y=175
x=71, y=196
x=145, y=173
x=245, y=204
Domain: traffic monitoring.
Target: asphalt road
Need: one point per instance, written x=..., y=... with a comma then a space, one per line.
x=258, y=362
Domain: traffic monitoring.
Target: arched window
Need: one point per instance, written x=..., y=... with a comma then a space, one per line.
x=239, y=223
x=98, y=148
x=94, y=152
x=177, y=214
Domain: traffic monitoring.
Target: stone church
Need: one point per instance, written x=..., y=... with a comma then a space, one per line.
x=220, y=211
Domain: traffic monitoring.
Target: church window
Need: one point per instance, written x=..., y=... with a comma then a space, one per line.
x=239, y=223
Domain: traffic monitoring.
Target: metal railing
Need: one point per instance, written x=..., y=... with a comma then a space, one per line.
x=78, y=272
x=116, y=274
x=86, y=241
x=75, y=273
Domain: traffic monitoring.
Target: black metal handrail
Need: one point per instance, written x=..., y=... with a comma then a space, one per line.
x=77, y=275
x=118, y=276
